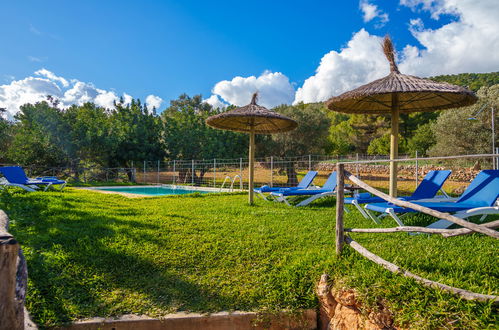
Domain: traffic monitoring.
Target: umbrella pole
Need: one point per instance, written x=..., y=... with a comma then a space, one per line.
x=394, y=146
x=251, y=165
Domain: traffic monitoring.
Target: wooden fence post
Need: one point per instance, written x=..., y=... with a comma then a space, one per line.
x=11, y=309
x=340, y=193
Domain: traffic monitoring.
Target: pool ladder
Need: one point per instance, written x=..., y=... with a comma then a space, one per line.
x=232, y=180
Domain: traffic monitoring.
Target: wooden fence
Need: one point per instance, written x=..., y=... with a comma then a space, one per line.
x=468, y=228
x=13, y=279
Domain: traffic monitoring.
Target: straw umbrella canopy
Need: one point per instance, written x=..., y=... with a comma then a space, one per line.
x=252, y=119
x=398, y=93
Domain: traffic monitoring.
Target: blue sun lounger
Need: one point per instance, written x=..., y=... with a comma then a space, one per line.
x=305, y=182
x=427, y=190
x=479, y=198
x=328, y=189
x=15, y=177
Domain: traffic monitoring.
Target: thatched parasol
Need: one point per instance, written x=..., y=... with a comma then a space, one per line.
x=252, y=119
x=398, y=93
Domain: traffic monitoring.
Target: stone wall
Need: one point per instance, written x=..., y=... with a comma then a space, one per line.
x=458, y=174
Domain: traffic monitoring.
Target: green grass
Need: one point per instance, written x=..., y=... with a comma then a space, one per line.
x=92, y=254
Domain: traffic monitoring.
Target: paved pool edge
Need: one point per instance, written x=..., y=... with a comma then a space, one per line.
x=169, y=186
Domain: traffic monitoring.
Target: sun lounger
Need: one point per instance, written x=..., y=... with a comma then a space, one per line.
x=427, y=190
x=303, y=184
x=328, y=189
x=14, y=176
x=479, y=198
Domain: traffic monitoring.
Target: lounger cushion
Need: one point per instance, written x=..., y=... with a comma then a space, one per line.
x=300, y=192
x=438, y=206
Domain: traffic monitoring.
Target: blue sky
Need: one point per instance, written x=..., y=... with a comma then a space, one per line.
x=166, y=48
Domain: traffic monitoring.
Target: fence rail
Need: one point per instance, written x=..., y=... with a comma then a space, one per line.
x=273, y=171
x=469, y=227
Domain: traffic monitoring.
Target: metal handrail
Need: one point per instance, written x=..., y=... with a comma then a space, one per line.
x=240, y=182
x=225, y=180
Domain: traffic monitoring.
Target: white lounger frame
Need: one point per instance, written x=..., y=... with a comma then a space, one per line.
x=369, y=215
x=30, y=187
x=442, y=224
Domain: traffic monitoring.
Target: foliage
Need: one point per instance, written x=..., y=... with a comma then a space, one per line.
x=40, y=136
x=354, y=133
x=5, y=135
x=473, y=81
x=46, y=135
x=136, y=134
x=91, y=254
x=456, y=134
x=188, y=137
x=381, y=145
x=310, y=137
x=422, y=140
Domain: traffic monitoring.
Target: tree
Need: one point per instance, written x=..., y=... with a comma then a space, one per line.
x=187, y=136
x=354, y=133
x=473, y=81
x=423, y=140
x=135, y=134
x=310, y=137
x=41, y=136
x=381, y=145
x=456, y=135
x=5, y=135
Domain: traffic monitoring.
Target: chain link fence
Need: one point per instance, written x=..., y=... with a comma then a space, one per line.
x=271, y=171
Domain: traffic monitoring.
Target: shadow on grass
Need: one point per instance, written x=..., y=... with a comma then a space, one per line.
x=77, y=257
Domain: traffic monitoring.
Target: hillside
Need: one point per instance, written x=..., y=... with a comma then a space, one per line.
x=471, y=80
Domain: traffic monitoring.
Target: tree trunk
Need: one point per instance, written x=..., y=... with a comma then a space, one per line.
x=182, y=174
x=292, y=176
x=199, y=179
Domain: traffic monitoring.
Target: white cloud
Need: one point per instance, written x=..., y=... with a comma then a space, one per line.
x=468, y=44
x=358, y=63
x=433, y=6
x=28, y=90
x=153, y=101
x=127, y=99
x=35, y=59
x=273, y=88
x=370, y=11
x=44, y=82
x=46, y=73
x=215, y=102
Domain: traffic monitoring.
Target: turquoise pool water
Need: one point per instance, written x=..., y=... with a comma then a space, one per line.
x=153, y=191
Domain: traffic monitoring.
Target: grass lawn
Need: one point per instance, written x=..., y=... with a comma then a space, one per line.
x=92, y=254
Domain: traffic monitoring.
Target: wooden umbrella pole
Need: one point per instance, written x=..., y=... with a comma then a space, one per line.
x=251, y=165
x=394, y=146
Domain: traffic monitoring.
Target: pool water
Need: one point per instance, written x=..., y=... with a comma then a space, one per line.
x=153, y=191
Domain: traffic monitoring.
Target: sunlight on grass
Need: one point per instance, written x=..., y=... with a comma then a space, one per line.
x=92, y=254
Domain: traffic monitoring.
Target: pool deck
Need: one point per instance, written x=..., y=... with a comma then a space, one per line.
x=169, y=186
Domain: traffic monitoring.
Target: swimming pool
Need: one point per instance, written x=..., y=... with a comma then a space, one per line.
x=155, y=190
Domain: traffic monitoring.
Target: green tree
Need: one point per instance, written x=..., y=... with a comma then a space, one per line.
x=135, y=134
x=456, y=135
x=41, y=136
x=311, y=136
x=473, y=81
x=381, y=145
x=187, y=136
x=422, y=140
x=5, y=135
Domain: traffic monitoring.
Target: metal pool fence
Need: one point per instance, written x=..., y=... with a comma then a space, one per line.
x=272, y=171
x=342, y=234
